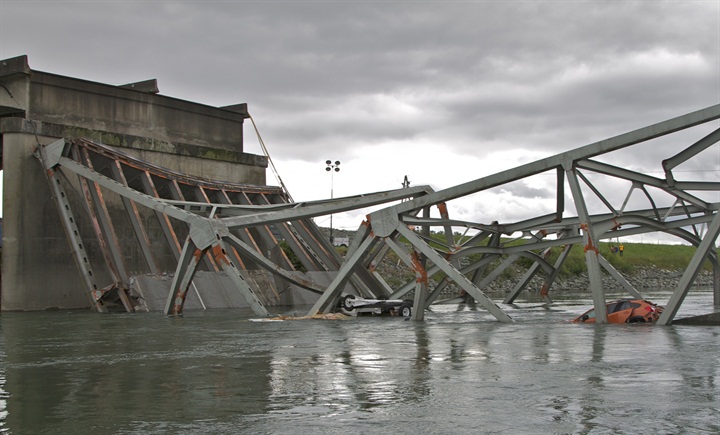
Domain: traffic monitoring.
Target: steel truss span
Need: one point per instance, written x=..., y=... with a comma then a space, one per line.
x=199, y=224
x=231, y=228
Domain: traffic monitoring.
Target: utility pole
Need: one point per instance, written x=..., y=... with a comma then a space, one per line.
x=332, y=167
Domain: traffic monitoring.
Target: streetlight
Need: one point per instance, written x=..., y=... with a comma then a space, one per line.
x=332, y=167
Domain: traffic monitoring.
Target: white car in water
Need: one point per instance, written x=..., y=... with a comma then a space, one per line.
x=355, y=306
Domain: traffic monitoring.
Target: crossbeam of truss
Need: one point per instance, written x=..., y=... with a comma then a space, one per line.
x=228, y=236
x=230, y=228
x=687, y=210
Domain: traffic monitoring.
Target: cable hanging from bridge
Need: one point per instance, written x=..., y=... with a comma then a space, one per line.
x=270, y=162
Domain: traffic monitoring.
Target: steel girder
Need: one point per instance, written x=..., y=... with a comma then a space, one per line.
x=230, y=227
x=682, y=217
x=226, y=227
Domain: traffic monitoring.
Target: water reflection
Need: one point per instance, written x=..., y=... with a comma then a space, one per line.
x=3, y=393
x=65, y=369
x=352, y=369
x=218, y=373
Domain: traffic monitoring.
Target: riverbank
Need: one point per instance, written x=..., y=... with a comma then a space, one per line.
x=641, y=278
x=646, y=266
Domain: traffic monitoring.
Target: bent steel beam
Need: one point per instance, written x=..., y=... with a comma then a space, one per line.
x=222, y=214
x=605, y=146
x=187, y=266
x=231, y=227
x=691, y=272
x=688, y=210
x=455, y=275
x=328, y=299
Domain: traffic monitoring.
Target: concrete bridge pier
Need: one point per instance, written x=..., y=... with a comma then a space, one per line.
x=38, y=108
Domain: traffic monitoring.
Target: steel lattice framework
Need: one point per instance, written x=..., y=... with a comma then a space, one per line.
x=225, y=227
x=229, y=227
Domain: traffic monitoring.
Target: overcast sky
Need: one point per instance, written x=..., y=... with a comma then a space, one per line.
x=443, y=92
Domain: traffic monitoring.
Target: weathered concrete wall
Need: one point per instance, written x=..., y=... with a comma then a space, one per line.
x=36, y=107
x=37, y=269
x=98, y=107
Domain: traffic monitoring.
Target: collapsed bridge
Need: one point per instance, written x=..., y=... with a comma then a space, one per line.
x=216, y=226
x=147, y=237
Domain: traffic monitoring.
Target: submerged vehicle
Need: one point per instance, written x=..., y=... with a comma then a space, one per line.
x=354, y=306
x=625, y=311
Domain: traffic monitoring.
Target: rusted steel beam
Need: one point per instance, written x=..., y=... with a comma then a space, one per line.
x=186, y=269
x=126, y=159
x=166, y=227
x=270, y=266
x=224, y=198
x=235, y=222
x=691, y=272
x=176, y=192
x=134, y=215
x=76, y=244
x=100, y=218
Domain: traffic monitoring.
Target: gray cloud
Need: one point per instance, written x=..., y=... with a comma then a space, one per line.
x=470, y=76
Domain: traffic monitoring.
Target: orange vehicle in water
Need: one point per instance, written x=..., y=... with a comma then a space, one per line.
x=625, y=311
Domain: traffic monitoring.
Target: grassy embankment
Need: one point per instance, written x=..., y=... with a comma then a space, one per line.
x=636, y=256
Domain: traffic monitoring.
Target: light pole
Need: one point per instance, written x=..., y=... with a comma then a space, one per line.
x=332, y=167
